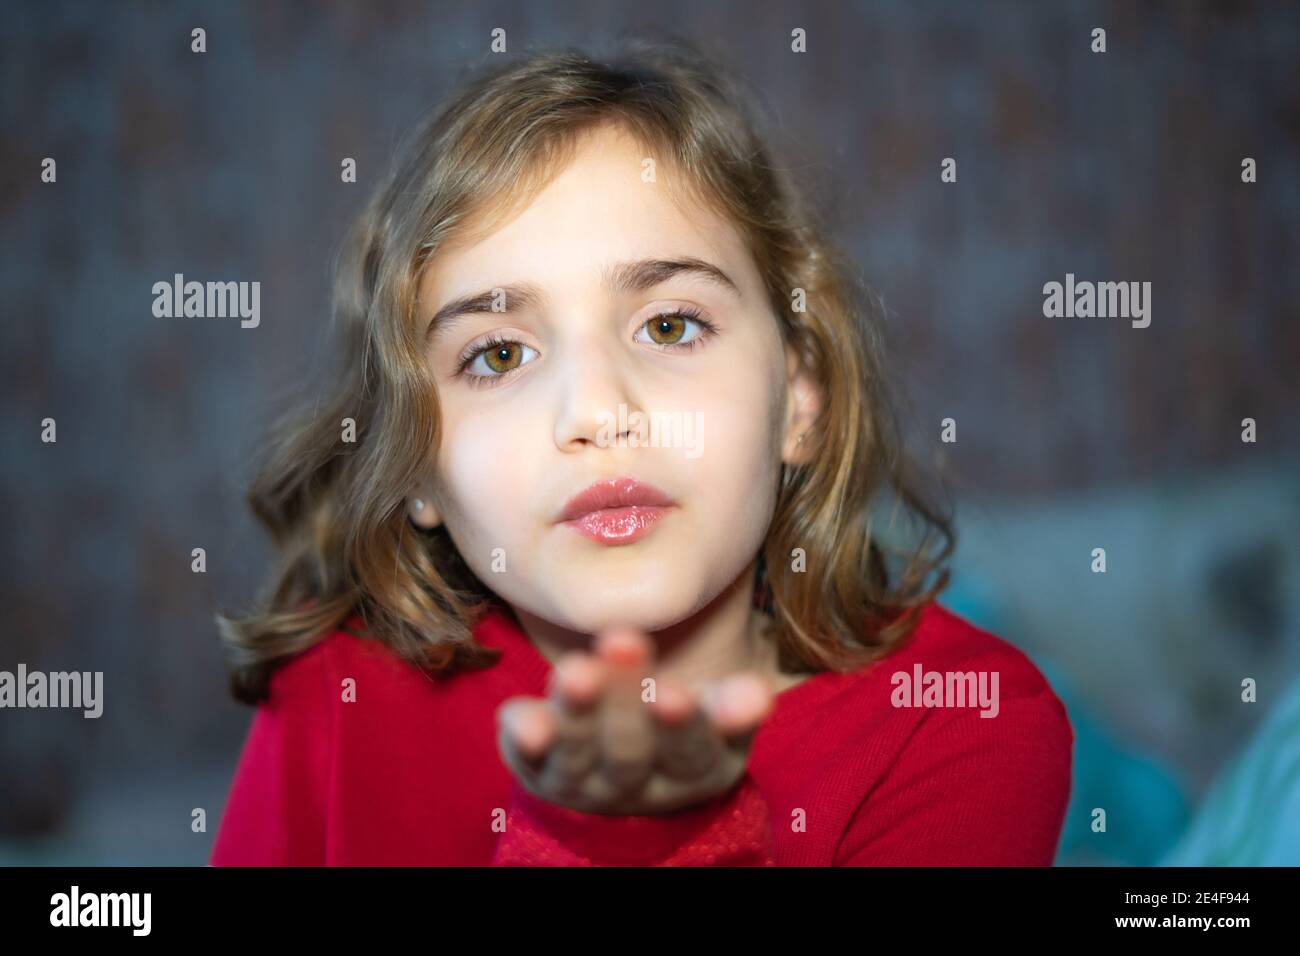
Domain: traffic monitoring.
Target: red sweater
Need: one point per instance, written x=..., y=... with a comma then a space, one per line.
x=839, y=774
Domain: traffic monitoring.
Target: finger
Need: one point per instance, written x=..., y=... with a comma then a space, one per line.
x=673, y=704
x=624, y=647
x=626, y=732
x=689, y=746
x=525, y=731
x=737, y=704
x=573, y=757
x=578, y=680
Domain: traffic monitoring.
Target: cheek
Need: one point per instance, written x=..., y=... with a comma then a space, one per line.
x=740, y=457
x=483, y=471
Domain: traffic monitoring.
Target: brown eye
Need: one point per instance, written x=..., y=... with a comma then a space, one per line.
x=502, y=358
x=680, y=330
x=495, y=359
x=666, y=329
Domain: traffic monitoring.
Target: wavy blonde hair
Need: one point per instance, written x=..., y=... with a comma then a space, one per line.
x=335, y=510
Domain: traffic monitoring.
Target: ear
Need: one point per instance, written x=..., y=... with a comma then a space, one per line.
x=420, y=506
x=803, y=407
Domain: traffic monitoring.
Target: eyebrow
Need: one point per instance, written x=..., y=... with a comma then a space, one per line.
x=625, y=277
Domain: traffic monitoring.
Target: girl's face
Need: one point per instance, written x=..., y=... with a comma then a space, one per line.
x=592, y=357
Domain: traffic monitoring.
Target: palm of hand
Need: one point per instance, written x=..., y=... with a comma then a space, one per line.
x=607, y=741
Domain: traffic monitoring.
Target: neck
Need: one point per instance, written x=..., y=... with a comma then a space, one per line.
x=725, y=636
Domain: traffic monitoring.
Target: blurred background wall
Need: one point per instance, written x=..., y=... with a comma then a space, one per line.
x=1071, y=433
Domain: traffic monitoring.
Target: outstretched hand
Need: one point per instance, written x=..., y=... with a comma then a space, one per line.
x=605, y=742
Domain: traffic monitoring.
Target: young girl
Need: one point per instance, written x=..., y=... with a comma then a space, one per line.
x=580, y=563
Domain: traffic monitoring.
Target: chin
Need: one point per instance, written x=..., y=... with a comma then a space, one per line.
x=650, y=613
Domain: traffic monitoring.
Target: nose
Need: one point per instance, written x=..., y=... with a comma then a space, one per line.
x=596, y=400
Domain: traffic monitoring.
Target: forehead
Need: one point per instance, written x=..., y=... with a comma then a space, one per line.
x=609, y=204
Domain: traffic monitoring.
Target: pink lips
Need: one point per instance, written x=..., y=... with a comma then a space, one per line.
x=617, y=511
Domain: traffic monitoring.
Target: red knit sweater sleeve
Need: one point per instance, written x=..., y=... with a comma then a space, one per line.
x=971, y=791
x=277, y=809
x=730, y=830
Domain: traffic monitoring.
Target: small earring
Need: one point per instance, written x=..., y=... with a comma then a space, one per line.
x=418, y=503
x=801, y=438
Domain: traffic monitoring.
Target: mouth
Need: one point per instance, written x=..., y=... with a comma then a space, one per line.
x=616, y=511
